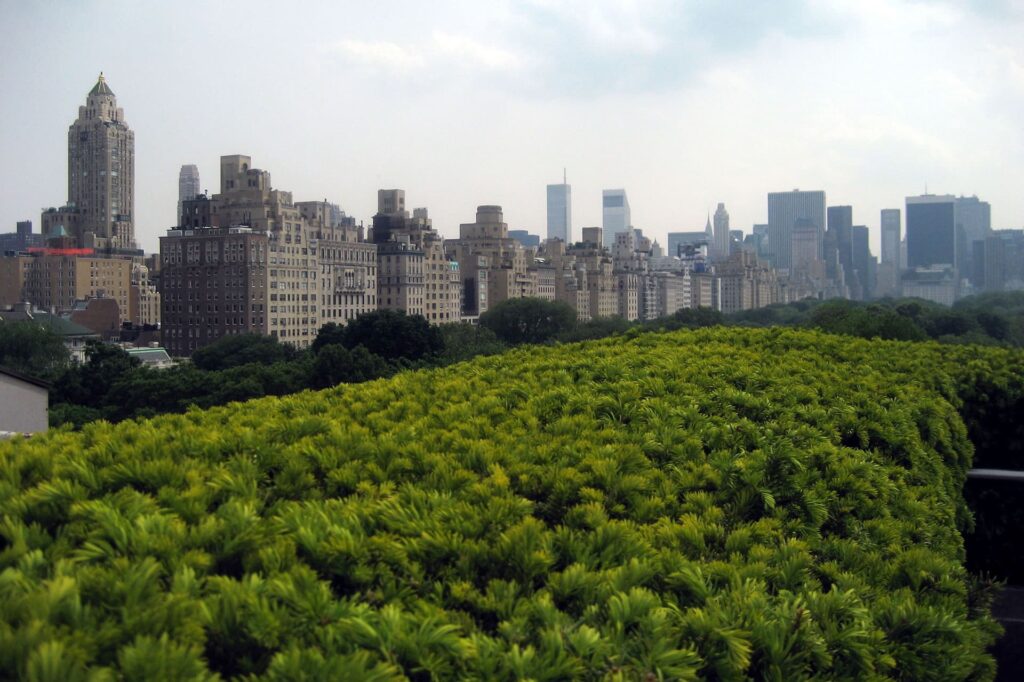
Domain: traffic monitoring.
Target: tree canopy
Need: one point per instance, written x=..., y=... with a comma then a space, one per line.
x=32, y=349
x=528, y=320
x=392, y=335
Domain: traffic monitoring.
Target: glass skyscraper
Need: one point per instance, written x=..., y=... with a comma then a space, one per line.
x=891, y=237
x=615, y=214
x=931, y=231
x=784, y=210
x=560, y=212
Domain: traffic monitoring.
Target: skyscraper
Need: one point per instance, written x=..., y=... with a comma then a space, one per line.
x=616, y=217
x=560, y=212
x=188, y=187
x=931, y=230
x=860, y=252
x=973, y=225
x=891, y=229
x=101, y=171
x=721, y=233
x=784, y=209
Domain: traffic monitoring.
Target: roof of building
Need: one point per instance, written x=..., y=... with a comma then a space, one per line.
x=101, y=87
x=56, y=324
x=23, y=377
x=149, y=356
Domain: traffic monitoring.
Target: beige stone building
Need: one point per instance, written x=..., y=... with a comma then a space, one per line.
x=506, y=261
x=54, y=281
x=400, y=266
x=415, y=272
x=673, y=292
x=143, y=298
x=545, y=276
x=13, y=275
x=276, y=281
x=627, y=295
x=701, y=289
x=348, y=264
x=745, y=282
x=570, y=277
x=101, y=175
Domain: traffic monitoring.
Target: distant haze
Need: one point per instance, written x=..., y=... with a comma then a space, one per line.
x=684, y=104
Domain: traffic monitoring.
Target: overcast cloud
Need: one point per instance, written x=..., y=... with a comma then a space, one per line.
x=684, y=104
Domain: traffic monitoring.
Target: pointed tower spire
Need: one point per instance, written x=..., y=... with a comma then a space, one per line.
x=101, y=87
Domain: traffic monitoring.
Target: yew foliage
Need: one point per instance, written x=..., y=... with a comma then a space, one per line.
x=725, y=504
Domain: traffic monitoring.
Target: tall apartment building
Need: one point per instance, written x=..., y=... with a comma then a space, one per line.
x=784, y=210
x=143, y=298
x=570, y=277
x=415, y=273
x=258, y=270
x=188, y=187
x=214, y=283
x=560, y=212
x=745, y=282
x=615, y=214
x=54, y=279
x=673, y=292
x=347, y=276
x=13, y=275
x=636, y=288
x=507, y=275
x=602, y=289
x=100, y=211
x=58, y=278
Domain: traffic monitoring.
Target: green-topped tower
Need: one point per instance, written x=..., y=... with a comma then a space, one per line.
x=101, y=172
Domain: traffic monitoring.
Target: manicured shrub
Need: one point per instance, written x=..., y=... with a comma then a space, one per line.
x=724, y=503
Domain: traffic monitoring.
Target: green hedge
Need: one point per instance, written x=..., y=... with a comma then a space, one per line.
x=726, y=504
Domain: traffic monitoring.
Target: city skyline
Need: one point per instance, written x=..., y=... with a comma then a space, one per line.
x=871, y=141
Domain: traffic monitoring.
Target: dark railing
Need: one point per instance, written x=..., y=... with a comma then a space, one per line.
x=996, y=497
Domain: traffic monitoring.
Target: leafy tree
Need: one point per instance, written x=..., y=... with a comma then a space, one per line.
x=688, y=318
x=463, y=341
x=994, y=325
x=75, y=415
x=529, y=320
x=330, y=333
x=596, y=328
x=242, y=349
x=30, y=348
x=946, y=322
x=875, y=321
x=336, y=364
x=90, y=383
x=393, y=335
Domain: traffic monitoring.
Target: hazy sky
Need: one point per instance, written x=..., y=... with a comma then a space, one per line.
x=683, y=103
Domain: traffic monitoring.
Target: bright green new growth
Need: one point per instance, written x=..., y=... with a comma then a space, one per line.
x=726, y=504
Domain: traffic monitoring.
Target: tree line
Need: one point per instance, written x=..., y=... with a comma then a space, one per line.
x=112, y=385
